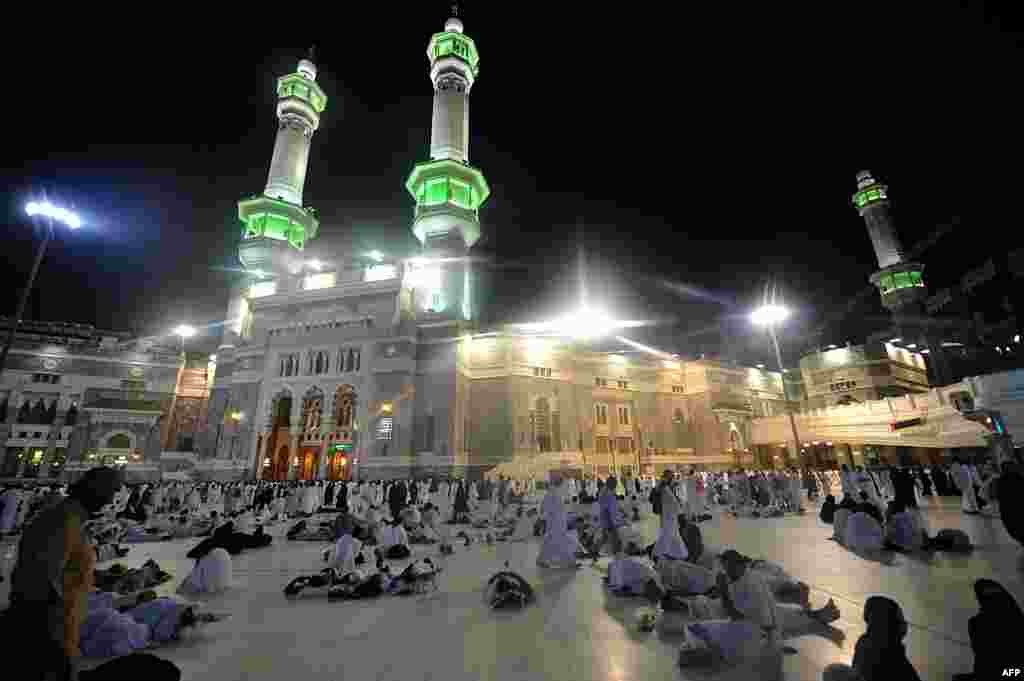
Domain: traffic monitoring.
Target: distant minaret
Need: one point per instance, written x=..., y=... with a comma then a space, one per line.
x=900, y=283
x=447, y=190
x=275, y=224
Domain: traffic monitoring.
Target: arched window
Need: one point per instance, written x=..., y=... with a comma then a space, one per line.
x=601, y=414
x=344, y=406
x=119, y=441
x=282, y=412
x=311, y=409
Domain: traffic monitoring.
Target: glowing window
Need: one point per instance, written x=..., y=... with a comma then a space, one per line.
x=319, y=280
x=437, y=191
x=886, y=283
x=263, y=288
x=915, y=279
x=385, y=427
x=461, y=194
x=901, y=280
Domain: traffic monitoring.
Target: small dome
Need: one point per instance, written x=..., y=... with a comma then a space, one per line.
x=307, y=68
x=453, y=25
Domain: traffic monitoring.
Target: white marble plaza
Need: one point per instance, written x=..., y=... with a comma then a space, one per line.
x=576, y=631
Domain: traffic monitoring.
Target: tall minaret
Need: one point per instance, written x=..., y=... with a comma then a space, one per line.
x=899, y=282
x=275, y=224
x=447, y=190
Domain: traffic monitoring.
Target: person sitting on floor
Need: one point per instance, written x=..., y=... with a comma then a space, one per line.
x=993, y=632
x=828, y=510
x=879, y=654
x=863, y=530
x=211, y=574
x=902, y=529
x=692, y=538
x=392, y=541
x=843, y=512
x=346, y=550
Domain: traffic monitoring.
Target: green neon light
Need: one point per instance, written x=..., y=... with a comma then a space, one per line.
x=899, y=280
x=866, y=196
x=446, y=181
x=455, y=45
x=264, y=217
x=297, y=85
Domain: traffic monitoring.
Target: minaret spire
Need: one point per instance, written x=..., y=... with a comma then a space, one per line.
x=277, y=217
x=900, y=283
x=447, y=190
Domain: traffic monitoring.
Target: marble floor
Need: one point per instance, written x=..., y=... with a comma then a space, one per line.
x=576, y=631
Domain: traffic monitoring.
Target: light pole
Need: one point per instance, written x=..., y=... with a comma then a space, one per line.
x=51, y=213
x=770, y=315
x=184, y=331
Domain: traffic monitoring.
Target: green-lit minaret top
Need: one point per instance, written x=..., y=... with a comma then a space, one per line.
x=278, y=214
x=447, y=190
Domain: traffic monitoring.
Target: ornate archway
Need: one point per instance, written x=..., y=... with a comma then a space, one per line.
x=312, y=410
x=280, y=463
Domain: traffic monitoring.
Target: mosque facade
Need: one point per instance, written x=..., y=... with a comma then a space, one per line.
x=368, y=366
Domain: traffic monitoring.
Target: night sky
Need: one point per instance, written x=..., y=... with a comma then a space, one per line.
x=697, y=154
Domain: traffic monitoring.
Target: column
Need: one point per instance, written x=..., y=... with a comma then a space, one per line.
x=261, y=447
x=293, y=451
x=326, y=430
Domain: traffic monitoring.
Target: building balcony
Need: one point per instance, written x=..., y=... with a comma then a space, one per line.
x=37, y=435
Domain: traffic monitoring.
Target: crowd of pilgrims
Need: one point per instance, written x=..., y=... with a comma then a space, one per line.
x=727, y=607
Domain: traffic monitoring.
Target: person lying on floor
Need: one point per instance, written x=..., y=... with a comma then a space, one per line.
x=233, y=542
x=311, y=530
x=683, y=577
x=109, y=632
x=745, y=618
x=119, y=579
x=632, y=577
x=418, y=576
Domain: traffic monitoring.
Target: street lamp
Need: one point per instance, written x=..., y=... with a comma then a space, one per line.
x=771, y=315
x=50, y=212
x=184, y=331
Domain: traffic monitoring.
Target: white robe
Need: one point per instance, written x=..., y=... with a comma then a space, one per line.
x=345, y=551
x=863, y=533
x=630, y=574
x=308, y=500
x=558, y=547
x=210, y=575
x=10, y=511
x=741, y=639
x=670, y=544
x=962, y=479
